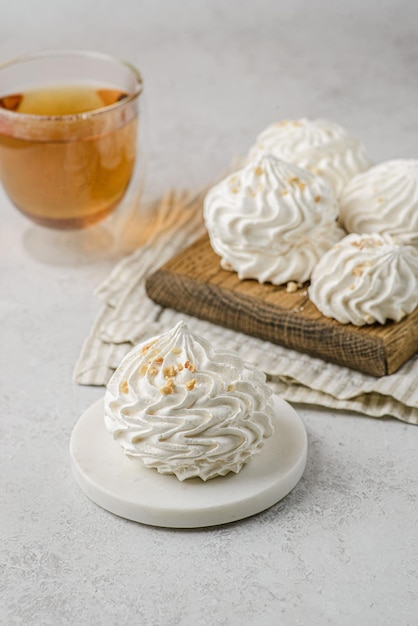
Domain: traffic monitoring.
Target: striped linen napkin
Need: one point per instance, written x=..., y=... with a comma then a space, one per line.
x=129, y=316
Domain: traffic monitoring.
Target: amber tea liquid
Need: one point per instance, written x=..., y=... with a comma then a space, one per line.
x=75, y=172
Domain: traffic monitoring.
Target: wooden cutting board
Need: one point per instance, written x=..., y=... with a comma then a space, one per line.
x=194, y=283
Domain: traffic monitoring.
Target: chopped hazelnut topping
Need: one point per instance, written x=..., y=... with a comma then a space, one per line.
x=293, y=179
x=292, y=286
x=368, y=241
x=190, y=384
x=152, y=371
x=230, y=388
x=169, y=371
x=301, y=185
x=143, y=370
x=145, y=349
x=317, y=198
x=176, y=351
x=189, y=366
x=357, y=271
x=159, y=360
x=258, y=171
x=124, y=387
x=234, y=190
x=168, y=387
x=179, y=367
x=351, y=287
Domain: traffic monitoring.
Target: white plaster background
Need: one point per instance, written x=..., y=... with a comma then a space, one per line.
x=341, y=549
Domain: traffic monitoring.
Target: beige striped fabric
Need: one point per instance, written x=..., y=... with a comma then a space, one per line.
x=129, y=316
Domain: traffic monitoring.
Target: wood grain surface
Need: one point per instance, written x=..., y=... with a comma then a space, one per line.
x=193, y=282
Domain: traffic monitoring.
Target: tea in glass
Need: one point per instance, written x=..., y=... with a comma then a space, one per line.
x=68, y=149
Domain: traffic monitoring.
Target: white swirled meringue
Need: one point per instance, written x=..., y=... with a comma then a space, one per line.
x=180, y=406
x=365, y=279
x=271, y=221
x=383, y=200
x=322, y=147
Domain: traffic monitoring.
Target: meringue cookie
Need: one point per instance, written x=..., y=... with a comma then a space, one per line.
x=179, y=406
x=271, y=221
x=384, y=199
x=365, y=279
x=322, y=147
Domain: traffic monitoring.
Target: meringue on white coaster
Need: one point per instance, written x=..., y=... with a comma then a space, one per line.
x=366, y=279
x=271, y=221
x=178, y=405
x=322, y=147
x=130, y=490
x=383, y=200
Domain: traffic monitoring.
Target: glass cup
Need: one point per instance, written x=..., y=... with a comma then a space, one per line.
x=69, y=135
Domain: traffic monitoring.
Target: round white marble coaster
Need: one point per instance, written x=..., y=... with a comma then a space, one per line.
x=128, y=489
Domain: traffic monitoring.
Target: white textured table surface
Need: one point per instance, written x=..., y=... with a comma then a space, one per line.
x=342, y=547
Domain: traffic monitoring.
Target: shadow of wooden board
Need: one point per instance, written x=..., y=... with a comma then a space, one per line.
x=194, y=283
